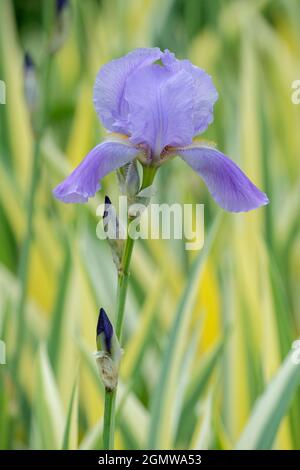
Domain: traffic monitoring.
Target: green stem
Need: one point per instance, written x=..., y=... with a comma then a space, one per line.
x=148, y=176
x=109, y=419
x=123, y=277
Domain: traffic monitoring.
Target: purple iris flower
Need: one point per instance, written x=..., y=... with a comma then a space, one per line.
x=154, y=105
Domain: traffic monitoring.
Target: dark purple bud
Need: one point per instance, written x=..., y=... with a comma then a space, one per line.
x=28, y=62
x=104, y=330
x=61, y=5
x=30, y=82
x=107, y=203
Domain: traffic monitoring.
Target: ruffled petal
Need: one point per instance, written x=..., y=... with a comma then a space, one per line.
x=228, y=185
x=109, y=87
x=204, y=92
x=84, y=181
x=160, y=107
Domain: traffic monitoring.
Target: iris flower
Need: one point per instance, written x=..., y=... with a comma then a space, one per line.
x=153, y=106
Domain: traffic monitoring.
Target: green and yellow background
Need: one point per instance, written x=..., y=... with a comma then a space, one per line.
x=205, y=361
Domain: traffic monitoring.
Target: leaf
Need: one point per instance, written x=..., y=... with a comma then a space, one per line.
x=204, y=432
x=270, y=408
x=70, y=438
x=136, y=346
x=196, y=389
x=162, y=414
x=48, y=418
x=93, y=439
x=57, y=329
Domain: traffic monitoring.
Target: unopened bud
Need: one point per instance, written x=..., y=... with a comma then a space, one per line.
x=132, y=180
x=61, y=5
x=105, y=332
x=129, y=179
x=114, y=231
x=61, y=25
x=108, y=353
x=30, y=82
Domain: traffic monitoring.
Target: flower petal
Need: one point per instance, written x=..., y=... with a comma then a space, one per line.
x=228, y=185
x=83, y=182
x=204, y=92
x=109, y=87
x=160, y=107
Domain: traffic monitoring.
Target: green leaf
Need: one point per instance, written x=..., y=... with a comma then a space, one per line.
x=162, y=417
x=70, y=439
x=93, y=439
x=270, y=408
x=57, y=329
x=48, y=418
x=204, y=429
x=196, y=389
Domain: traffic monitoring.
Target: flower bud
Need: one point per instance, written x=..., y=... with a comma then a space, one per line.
x=132, y=180
x=108, y=352
x=61, y=25
x=61, y=5
x=114, y=232
x=129, y=179
x=30, y=82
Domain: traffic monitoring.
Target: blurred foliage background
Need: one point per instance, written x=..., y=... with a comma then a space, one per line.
x=205, y=348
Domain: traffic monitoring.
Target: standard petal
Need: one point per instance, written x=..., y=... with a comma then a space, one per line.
x=84, y=181
x=228, y=185
x=109, y=87
x=160, y=107
x=204, y=92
